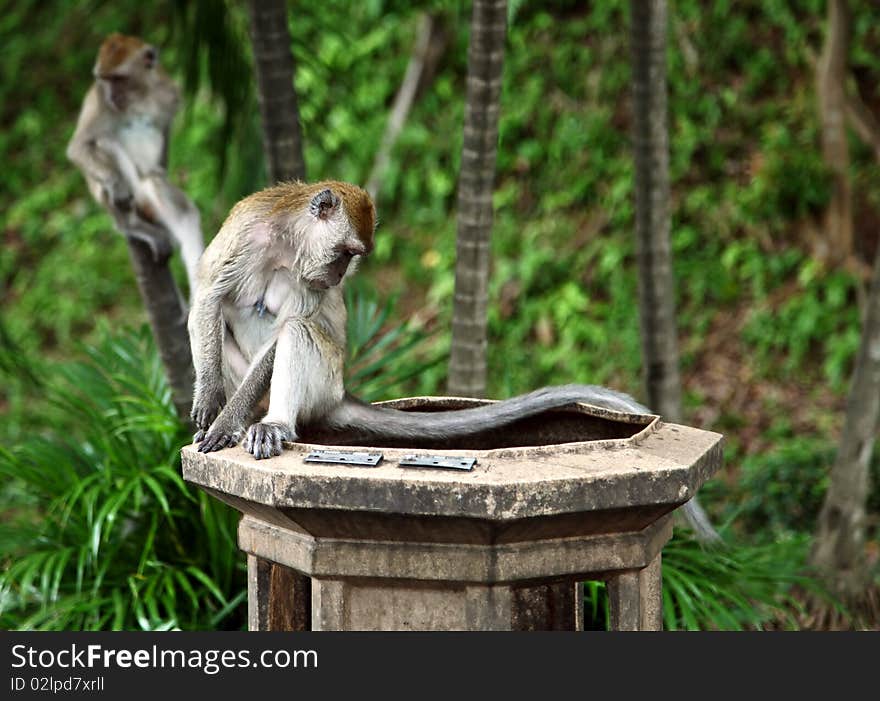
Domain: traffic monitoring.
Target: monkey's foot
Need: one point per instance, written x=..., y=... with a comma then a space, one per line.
x=264, y=440
x=217, y=438
x=153, y=236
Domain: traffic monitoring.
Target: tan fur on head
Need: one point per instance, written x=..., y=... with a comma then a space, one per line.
x=292, y=198
x=115, y=51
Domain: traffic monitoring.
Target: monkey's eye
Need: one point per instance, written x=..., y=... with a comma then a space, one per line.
x=350, y=252
x=150, y=57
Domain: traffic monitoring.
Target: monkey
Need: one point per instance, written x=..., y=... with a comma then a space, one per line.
x=270, y=305
x=269, y=318
x=121, y=146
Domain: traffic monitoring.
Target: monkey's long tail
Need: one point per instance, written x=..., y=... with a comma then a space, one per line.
x=442, y=425
x=445, y=425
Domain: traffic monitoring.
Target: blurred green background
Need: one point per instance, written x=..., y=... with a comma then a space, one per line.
x=768, y=334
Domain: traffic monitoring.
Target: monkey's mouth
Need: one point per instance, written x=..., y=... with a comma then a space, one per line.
x=323, y=282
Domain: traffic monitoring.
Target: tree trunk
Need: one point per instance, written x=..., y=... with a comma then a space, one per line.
x=839, y=547
x=283, y=145
x=273, y=62
x=654, y=250
x=167, y=314
x=467, y=367
x=653, y=245
x=831, y=90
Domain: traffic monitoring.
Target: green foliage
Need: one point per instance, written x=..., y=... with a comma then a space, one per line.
x=103, y=532
x=382, y=355
x=822, y=320
x=745, y=587
x=781, y=492
x=748, y=185
x=746, y=170
x=737, y=588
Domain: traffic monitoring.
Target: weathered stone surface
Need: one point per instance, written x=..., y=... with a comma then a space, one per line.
x=663, y=464
x=577, y=557
x=279, y=598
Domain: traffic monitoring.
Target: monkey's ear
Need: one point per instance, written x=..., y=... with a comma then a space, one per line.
x=151, y=57
x=324, y=204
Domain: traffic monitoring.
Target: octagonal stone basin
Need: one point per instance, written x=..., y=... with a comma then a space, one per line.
x=567, y=495
x=600, y=468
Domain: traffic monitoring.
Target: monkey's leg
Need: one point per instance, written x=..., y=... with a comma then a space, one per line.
x=132, y=226
x=143, y=215
x=295, y=355
x=228, y=428
x=179, y=215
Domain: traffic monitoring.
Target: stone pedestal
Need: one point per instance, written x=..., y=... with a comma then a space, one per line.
x=503, y=547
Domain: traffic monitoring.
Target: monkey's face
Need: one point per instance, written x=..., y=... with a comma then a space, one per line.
x=334, y=271
x=335, y=240
x=124, y=68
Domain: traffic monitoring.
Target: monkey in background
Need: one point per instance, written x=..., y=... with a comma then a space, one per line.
x=121, y=146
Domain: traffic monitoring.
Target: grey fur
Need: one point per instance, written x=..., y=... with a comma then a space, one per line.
x=227, y=429
x=265, y=439
x=392, y=423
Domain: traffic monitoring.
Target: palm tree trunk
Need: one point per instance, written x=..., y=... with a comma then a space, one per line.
x=654, y=250
x=273, y=62
x=289, y=605
x=653, y=246
x=467, y=367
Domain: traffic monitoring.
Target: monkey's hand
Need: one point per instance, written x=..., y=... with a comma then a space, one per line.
x=225, y=432
x=119, y=195
x=206, y=406
x=264, y=439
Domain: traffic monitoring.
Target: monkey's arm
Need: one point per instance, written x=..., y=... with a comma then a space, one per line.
x=158, y=200
x=206, y=331
x=228, y=428
x=100, y=168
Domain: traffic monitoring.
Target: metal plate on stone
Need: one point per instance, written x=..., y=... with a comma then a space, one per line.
x=449, y=462
x=344, y=457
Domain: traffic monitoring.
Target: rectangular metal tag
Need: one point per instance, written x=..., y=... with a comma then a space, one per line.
x=344, y=457
x=439, y=461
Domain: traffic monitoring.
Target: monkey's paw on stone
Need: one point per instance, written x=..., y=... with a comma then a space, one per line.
x=264, y=440
x=217, y=439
